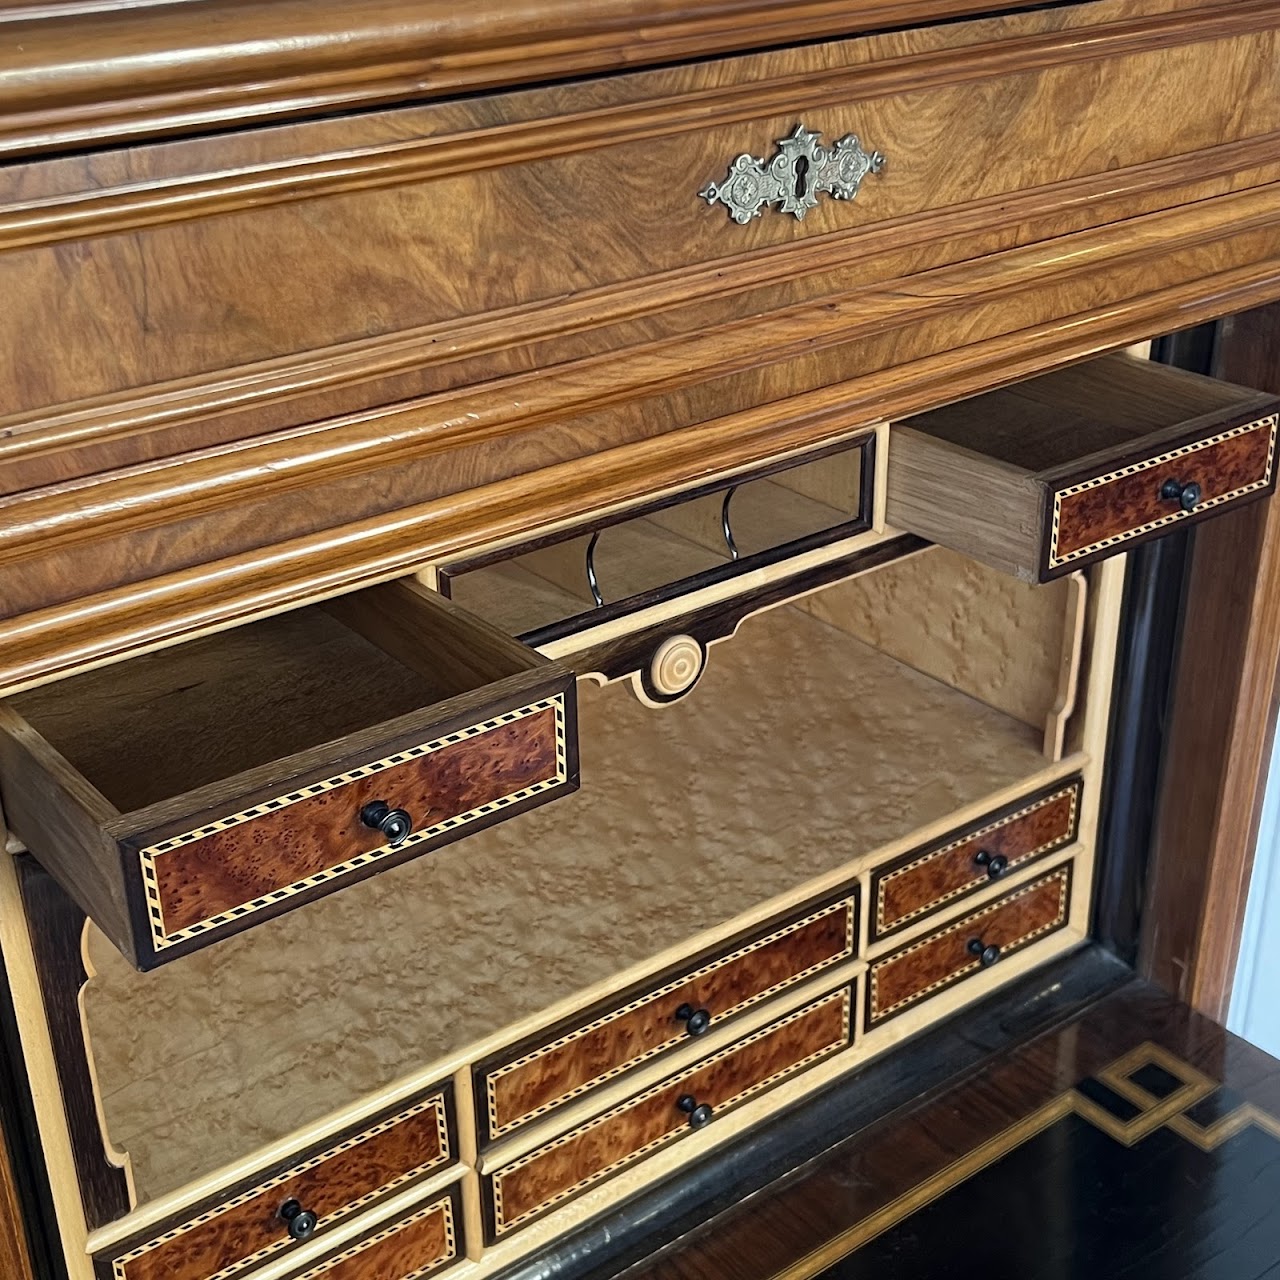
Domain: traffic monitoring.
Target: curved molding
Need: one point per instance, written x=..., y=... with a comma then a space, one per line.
x=160, y=407
x=40, y=646
x=214, y=479
x=161, y=200
x=198, y=65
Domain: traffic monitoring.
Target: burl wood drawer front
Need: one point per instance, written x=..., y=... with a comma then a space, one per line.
x=236, y=1234
x=1041, y=477
x=904, y=978
x=551, y=1174
x=539, y=1076
x=963, y=862
x=421, y=1243
x=199, y=790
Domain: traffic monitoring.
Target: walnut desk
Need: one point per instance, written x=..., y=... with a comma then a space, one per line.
x=575, y=576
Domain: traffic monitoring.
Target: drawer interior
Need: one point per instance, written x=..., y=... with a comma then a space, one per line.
x=179, y=719
x=657, y=552
x=686, y=822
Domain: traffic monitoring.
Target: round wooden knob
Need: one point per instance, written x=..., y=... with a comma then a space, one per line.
x=302, y=1222
x=696, y=1021
x=699, y=1113
x=987, y=953
x=395, y=824
x=996, y=864
x=1187, y=496
x=676, y=666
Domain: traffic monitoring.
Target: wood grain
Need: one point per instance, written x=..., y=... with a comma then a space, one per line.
x=15, y=1256
x=427, y=1240
x=570, y=1059
x=550, y=1174
x=918, y=971
x=1222, y=721
x=227, y=1239
x=923, y=881
x=232, y=66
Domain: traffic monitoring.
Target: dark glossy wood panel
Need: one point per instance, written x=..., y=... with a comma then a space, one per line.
x=351, y=1174
x=1100, y=1148
x=574, y=1057
x=1105, y=511
x=420, y=1243
x=938, y=961
x=923, y=881
x=551, y=1174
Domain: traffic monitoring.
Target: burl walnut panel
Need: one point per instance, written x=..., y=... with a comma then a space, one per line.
x=219, y=873
x=225, y=1240
x=1104, y=510
x=570, y=1061
x=923, y=882
x=582, y=1157
x=412, y=1248
x=927, y=967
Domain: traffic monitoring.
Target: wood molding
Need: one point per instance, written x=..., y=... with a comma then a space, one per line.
x=1218, y=742
x=165, y=69
x=294, y=377
x=1093, y=262
x=130, y=206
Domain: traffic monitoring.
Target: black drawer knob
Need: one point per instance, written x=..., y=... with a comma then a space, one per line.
x=395, y=824
x=302, y=1222
x=996, y=864
x=987, y=954
x=699, y=1113
x=696, y=1021
x=1187, y=496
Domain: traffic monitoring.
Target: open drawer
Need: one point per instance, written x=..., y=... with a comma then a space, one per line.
x=1044, y=476
x=195, y=791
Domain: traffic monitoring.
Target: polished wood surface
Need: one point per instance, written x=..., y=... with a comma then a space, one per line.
x=306, y=450
x=580, y=1158
x=181, y=68
x=1135, y=1134
x=15, y=1256
x=938, y=961
x=424, y=1242
x=923, y=881
x=569, y=1059
x=1221, y=723
x=247, y=1230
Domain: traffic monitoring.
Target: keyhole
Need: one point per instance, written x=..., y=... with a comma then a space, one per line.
x=802, y=172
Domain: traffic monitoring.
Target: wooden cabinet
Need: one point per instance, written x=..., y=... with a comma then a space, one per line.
x=737, y=390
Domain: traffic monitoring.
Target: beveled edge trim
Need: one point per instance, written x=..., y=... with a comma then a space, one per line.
x=844, y=995
x=147, y=858
x=1072, y=786
x=158, y=201
x=498, y=1130
x=436, y=1100
x=1055, y=561
x=443, y=1205
x=875, y=1015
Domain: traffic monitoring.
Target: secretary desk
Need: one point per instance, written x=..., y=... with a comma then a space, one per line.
x=597, y=593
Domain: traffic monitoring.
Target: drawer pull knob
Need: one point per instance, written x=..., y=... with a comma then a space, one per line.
x=302, y=1222
x=793, y=178
x=395, y=824
x=996, y=864
x=696, y=1021
x=1187, y=496
x=987, y=954
x=699, y=1113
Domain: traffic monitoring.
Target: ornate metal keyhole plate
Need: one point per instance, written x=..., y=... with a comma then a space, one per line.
x=795, y=176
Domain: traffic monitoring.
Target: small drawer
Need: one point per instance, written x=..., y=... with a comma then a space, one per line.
x=266, y=1218
x=535, y=1077
x=923, y=969
x=196, y=791
x=1039, y=478
x=569, y=1165
x=962, y=862
x=421, y=1243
